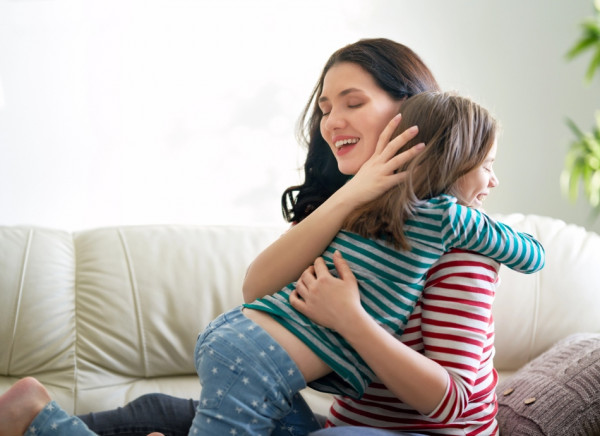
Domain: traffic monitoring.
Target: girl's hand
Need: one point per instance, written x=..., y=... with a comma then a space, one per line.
x=325, y=299
x=378, y=174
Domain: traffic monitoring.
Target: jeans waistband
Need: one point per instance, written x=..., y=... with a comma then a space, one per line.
x=275, y=357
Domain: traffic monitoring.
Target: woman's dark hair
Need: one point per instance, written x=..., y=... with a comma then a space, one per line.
x=396, y=69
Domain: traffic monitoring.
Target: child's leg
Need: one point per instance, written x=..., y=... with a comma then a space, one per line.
x=149, y=413
x=26, y=409
x=20, y=405
x=248, y=380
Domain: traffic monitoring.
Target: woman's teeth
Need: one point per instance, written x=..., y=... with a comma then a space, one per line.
x=339, y=144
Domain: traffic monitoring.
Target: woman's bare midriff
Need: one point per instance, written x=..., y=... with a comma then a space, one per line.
x=309, y=364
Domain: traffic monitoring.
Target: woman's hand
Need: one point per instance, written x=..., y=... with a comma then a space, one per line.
x=378, y=174
x=325, y=299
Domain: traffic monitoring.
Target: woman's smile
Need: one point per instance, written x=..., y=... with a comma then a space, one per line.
x=355, y=111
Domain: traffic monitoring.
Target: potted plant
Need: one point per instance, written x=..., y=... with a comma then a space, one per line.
x=582, y=162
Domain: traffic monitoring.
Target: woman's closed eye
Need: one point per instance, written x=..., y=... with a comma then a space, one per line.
x=325, y=110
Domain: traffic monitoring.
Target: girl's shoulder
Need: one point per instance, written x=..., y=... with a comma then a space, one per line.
x=439, y=206
x=443, y=201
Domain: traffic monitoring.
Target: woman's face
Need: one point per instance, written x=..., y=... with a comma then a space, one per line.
x=473, y=188
x=355, y=111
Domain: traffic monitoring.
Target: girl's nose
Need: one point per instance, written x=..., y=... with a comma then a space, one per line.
x=494, y=181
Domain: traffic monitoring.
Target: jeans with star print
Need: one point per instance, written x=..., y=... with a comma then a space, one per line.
x=52, y=420
x=249, y=382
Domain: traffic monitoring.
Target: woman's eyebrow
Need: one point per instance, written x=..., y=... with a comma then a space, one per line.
x=341, y=94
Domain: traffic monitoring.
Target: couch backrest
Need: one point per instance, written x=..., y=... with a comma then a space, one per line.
x=532, y=312
x=105, y=315
x=93, y=311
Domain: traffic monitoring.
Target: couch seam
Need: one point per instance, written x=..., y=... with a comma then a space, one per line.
x=19, y=300
x=76, y=322
x=136, y=300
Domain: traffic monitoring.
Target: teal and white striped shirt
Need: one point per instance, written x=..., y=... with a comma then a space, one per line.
x=391, y=280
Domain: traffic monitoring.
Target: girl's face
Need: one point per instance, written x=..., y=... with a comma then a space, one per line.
x=473, y=188
x=355, y=111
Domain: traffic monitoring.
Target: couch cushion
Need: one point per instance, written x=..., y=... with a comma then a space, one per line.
x=558, y=393
x=534, y=311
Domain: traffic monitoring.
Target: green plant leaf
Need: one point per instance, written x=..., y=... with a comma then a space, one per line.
x=582, y=160
x=575, y=173
x=576, y=130
x=593, y=66
x=582, y=45
x=591, y=26
x=594, y=189
x=589, y=145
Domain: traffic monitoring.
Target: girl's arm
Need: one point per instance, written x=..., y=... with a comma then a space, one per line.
x=285, y=259
x=421, y=381
x=471, y=229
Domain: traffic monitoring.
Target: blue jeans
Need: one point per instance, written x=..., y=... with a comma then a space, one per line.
x=154, y=412
x=249, y=382
x=173, y=416
x=168, y=415
x=151, y=412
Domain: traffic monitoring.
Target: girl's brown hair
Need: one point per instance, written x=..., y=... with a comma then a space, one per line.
x=458, y=134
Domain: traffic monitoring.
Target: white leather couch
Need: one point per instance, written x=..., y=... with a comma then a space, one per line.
x=105, y=315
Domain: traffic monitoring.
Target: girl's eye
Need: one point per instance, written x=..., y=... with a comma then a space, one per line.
x=355, y=106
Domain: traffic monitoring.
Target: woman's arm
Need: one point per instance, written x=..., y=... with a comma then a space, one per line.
x=422, y=381
x=458, y=331
x=285, y=259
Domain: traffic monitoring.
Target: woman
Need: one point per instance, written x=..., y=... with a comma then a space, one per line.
x=249, y=375
x=358, y=116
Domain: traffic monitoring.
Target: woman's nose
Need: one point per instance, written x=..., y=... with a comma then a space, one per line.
x=334, y=120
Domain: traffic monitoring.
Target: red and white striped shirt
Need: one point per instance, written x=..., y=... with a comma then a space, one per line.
x=452, y=325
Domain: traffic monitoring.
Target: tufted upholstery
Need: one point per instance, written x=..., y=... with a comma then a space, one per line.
x=105, y=315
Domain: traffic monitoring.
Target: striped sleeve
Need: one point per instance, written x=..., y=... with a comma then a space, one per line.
x=455, y=326
x=470, y=229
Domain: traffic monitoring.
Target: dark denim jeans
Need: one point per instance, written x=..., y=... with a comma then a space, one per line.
x=173, y=417
x=153, y=412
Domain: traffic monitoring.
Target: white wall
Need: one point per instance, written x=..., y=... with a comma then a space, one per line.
x=181, y=111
